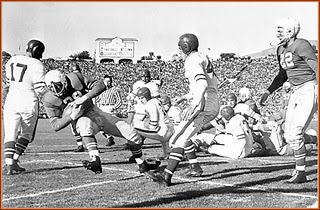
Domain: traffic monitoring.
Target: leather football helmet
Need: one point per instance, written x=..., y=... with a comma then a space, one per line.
x=188, y=43
x=287, y=28
x=227, y=112
x=231, y=99
x=144, y=92
x=56, y=82
x=36, y=48
x=165, y=100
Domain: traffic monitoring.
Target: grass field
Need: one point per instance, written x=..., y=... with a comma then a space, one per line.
x=55, y=178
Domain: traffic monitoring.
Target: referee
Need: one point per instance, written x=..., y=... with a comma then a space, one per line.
x=109, y=101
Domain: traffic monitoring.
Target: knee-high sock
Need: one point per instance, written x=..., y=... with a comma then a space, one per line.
x=191, y=152
x=9, y=150
x=175, y=158
x=300, y=158
x=21, y=146
x=136, y=150
x=79, y=140
x=92, y=146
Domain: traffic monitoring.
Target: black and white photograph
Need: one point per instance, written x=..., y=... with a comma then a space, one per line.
x=159, y=104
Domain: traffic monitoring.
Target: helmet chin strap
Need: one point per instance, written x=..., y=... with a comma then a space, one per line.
x=282, y=42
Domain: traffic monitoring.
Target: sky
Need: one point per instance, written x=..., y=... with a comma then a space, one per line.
x=67, y=28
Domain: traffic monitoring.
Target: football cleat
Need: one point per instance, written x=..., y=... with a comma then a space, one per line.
x=16, y=167
x=132, y=159
x=297, y=177
x=94, y=165
x=195, y=170
x=161, y=178
x=79, y=149
x=149, y=164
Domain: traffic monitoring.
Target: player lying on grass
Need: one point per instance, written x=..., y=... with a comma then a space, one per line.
x=70, y=99
x=233, y=139
x=227, y=139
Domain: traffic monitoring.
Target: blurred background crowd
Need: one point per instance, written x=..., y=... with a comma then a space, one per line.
x=257, y=77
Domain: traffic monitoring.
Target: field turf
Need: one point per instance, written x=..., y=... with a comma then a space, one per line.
x=55, y=178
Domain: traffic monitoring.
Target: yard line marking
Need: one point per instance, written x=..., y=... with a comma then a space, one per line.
x=58, y=191
x=139, y=174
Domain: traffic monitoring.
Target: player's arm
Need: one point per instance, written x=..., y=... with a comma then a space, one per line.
x=56, y=120
x=38, y=80
x=276, y=83
x=93, y=87
x=278, y=80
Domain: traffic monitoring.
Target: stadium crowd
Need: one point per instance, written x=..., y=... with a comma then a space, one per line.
x=256, y=76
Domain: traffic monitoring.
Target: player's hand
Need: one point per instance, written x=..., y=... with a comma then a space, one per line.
x=77, y=111
x=187, y=113
x=81, y=100
x=264, y=97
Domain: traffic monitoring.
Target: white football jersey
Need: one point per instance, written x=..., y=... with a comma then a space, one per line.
x=155, y=114
x=195, y=71
x=25, y=76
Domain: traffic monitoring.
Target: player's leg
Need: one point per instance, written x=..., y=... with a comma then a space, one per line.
x=12, y=122
x=120, y=128
x=75, y=133
x=29, y=122
x=110, y=138
x=88, y=129
x=301, y=107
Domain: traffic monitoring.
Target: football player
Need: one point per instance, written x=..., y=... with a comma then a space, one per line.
x=136, y=109
x=235, y=140
x=172, y=111
x=76, y=92
x=25, y=76
x=156, y=125
x=203, y=106
x=298, y=64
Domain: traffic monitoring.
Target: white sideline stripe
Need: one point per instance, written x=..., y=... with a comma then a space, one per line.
x=128, y=171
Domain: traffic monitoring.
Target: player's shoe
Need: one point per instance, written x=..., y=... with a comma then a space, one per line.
x=110, y=141
x=149, y=164
x=14, y=168
x=161, y=178
x=195, y=170
x=93, y=165
x=297, y=177
x=80, y=148
x=132, y=159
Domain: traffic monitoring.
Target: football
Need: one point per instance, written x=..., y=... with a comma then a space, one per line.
x=67, y=110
